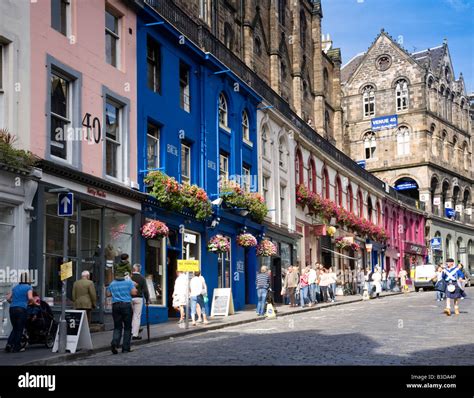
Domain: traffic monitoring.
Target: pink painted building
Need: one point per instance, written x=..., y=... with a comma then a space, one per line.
x=83, y=127
x=406, y=230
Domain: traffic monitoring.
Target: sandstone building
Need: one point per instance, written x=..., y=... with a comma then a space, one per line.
x=406, y=117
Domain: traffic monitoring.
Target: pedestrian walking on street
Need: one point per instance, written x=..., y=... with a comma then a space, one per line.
x=452, y=275
x=377, y=281
x=360, y=281
x=462, y=283
x=403, y=280
x=333, y=284
x=368, y=281
x=179, y=295
x=304, y=286
x=312, y=279
x=384, y=280
x=122, y=290
x=291, y=281
x=137, y=300
x=198, y=293
x=392, y=276
x=19, y=298
x=262, y=284
x=439, y=275
x=324, y=284
x=84, y=295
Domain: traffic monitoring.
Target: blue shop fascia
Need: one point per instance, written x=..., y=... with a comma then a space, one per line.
x=196, y=123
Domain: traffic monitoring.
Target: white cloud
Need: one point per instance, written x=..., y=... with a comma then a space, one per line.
x=459, y=5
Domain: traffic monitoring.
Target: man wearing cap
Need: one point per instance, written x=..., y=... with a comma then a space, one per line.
x=452, y=275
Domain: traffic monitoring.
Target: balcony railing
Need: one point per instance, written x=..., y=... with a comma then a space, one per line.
x=200, y=35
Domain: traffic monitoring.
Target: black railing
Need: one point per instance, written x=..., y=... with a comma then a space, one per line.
x=200, y=35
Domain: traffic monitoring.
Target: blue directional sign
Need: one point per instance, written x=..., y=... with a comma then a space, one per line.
x=406, y=185
x=361, y=163
x=65, y=204
x=450, y=212
x=436, y=243
x=384, y=122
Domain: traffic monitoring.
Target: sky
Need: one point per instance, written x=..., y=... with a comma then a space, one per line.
x=354, y=25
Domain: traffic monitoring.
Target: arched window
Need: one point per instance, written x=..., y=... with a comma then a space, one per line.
x=282, y=153
x=401, y=94
x=245, y=126
x=299, y=168
x=465, y=151
x=370, y=209
x=442, y=104
x=303, y=29
x=223, y=111
x=338, y=192
x=461, y=114
x=257, y=46
x=326, y=184
x=228, y=36
x=283, y=70
x=312, y=176
x=444, y=143
x=368, y=99
x=327, y=122
x=403, y=141
x=448, y=105
x=326, y=80
x=379, y=214
x=455, y=151
x=360, y=204
x=265, y=141
x=350, y=199
x=370, y=145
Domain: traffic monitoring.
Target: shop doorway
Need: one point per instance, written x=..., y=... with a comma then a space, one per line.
x=171, y=274
x=276, y=280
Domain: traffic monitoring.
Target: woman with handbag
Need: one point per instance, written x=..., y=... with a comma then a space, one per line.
x=452, y=275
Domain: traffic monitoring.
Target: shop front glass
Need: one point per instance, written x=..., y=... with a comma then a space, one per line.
x=53, y=249
x=7, y=229
x=224, y=260
x=154, y=270
x=84, y=244
x=118, y=240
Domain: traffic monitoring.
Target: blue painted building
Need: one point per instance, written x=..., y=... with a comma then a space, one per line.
x=196, y=122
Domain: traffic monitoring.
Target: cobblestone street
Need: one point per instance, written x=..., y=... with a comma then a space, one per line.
x=399, y=330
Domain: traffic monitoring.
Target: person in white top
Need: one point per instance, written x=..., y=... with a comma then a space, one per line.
x=198, y=293
x=377, y=280
x=179, y=294
x=312, y=276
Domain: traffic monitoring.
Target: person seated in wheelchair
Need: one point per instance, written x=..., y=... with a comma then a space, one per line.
x=39, y=318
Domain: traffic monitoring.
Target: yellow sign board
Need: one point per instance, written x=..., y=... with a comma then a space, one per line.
x=188, y=265
x=66, y=270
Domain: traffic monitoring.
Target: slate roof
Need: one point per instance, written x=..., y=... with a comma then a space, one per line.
x=348, y=69
x=433, y=56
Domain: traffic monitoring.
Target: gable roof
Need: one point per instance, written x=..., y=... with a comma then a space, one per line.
x=348, y=69
x=430, y=56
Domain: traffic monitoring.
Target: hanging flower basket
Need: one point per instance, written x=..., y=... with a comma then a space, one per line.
x=355, y=246
x=246, y=240
x=341, y=243
x=218, y=244
x=266, y=248
x=153, y=229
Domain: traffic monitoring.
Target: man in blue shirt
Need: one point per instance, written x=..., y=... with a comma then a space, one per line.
x=121, y=290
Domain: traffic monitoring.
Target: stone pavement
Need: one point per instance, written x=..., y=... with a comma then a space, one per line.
x=39, y=355
x=404, y=330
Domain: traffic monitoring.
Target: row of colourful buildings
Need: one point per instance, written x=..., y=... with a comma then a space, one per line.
x=113, y=96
